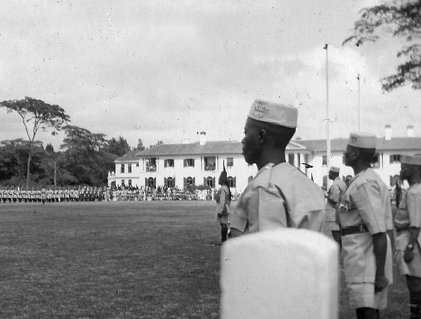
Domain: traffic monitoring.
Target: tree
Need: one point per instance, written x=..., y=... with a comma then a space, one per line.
x=86, y=159
x=118, y=147
x=402, y=20
x=36, y=114
x=160, y=142
x=140, y=146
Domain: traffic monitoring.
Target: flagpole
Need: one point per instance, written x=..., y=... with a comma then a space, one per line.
x=359, y=104
x=328, y=150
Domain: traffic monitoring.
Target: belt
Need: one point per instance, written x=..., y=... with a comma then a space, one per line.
x=354, y=230
x=401, y=229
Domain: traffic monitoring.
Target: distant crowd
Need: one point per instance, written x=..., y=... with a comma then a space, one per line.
x=91, y=194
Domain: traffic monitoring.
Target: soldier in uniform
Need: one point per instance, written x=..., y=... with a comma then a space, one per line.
x=333, y=196
x=223, y=200
x=279, y=195
x=366, y=217
x=408, y=238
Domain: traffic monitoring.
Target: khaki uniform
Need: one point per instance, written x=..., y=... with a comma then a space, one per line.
x=279, y=196
x=366, y=202
x=223, y=201
x=408, y=215
x=332, y=211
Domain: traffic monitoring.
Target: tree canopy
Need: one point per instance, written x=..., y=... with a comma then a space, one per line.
x=36, y=114
x=401, y=19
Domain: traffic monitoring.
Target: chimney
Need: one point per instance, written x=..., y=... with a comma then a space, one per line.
x=410, y=131
x=202, y=138
x=388, y=132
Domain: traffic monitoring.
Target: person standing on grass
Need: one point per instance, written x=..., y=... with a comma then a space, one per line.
x=366, y=217
x=223, y=200
x=333, y=196
x=408, y=238
x=279, y=195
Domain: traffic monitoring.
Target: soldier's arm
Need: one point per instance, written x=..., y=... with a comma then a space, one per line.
x=380, y=249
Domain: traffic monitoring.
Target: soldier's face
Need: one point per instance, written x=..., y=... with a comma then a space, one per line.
x=350, y=155
x=406, y=171
x=251, y=145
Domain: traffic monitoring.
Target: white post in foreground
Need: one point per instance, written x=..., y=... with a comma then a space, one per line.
x=282, y=274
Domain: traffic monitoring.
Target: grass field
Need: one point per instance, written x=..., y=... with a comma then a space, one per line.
x=120, y=260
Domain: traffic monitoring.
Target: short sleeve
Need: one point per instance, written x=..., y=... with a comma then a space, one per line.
x=414, y=208
x=334, y=193
x=368, y=201
x=271, y=209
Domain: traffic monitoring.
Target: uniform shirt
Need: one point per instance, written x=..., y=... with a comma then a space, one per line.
x=408, y=215
x=223, y=201
x=367, y=202
x=279, y=196
x=335, y=191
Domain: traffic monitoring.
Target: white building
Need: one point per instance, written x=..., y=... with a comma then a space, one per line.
x=200, y=163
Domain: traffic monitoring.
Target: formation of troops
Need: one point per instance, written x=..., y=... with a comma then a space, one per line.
x=86, y=193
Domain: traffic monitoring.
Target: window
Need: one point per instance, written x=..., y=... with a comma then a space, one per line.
x=137, y=164
x=230, y=162
x=324, y=160
x=189, y=162
x=130, y=183
x=291, y=159
x=122, y=183
x=189, y=181
x=210, y=163
x=169, y=163
x=210, y=181
x=122, y=168
x=232, y=182
x=395, y=158
x=150, y=182
x=151, y=164
x=169, y=182
x=129, y=168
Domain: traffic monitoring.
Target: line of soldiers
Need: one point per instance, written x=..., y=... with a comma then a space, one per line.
x=279, y=196
x=43, y=195
x=86, y=193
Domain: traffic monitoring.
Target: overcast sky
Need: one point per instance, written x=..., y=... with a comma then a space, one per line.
x=163, y=70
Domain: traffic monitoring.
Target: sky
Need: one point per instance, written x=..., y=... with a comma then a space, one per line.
x=165, y=70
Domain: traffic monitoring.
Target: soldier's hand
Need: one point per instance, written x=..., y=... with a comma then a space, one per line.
x=408, y=255
x=380, y=283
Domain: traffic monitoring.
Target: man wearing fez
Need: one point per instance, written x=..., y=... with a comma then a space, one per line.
x=333, y=196
x=223, y=200
x=408, y=238
x=279, y=195
x=365, y=216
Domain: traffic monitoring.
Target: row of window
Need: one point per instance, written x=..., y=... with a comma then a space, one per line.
x=394, y=158
x=190, y=181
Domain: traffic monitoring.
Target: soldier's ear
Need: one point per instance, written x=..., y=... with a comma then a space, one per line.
x=262, y=135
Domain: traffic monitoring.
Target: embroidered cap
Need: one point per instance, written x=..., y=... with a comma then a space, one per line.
x=362, y=140
x=411, y=160
x=274, y=113
x=334, y=169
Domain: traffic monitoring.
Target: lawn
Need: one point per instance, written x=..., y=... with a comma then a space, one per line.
x=119, y=260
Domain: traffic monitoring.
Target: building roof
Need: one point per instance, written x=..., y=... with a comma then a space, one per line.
x=128, y=157
x=235, y=148
x=339, y=144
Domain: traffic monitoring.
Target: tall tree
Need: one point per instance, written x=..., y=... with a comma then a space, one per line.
x=140, y=146
x=36, y=114
x=118, y=146
x=401, y=19
x=85, y=157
